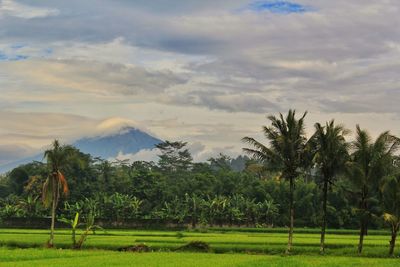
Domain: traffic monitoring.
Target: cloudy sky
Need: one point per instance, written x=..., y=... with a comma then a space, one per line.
x=206, y=72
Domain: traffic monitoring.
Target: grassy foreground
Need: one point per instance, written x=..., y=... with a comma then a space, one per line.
x=56, y=257
x=272, y=243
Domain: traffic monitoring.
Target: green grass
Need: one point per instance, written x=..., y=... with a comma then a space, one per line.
x=342, y=243
x=65, y=258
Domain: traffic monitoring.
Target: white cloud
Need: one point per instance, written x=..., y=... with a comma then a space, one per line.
x=15, y=9
x=142, y=155
x=199, y=152
x=197, y=71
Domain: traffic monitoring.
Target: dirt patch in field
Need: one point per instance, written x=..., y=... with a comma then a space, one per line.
x=136, y=248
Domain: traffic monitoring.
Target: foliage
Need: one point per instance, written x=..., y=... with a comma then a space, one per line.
x=74, y=224
x=284, y=176
x=371, y=161
x=286, y=152
x=329, y=151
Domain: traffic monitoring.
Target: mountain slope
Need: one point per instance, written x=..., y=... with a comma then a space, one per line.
x=127, y=140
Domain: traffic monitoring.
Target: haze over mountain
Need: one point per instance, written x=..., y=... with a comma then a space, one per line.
x=127, y=140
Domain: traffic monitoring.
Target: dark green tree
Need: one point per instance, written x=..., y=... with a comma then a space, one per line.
x=18, y=178
x=174, y=156
x=370, y=162
x=286, y=151
x=330, y=155
x=390, y=189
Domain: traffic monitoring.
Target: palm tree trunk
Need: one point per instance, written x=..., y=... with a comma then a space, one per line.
x=363, y=221
x=194, y=221
x=53, y=215
x=323, y=229
x=73, y=238
x=393, y=241
x=362, y=233
x=291, y=207
x=194, y=217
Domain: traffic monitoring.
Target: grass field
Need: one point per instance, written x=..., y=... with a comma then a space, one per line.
x=241, y=247
x=53, y=257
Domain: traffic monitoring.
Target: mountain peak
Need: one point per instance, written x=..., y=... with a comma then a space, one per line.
x=115, y=125
x=125, y=140
x=122, y=140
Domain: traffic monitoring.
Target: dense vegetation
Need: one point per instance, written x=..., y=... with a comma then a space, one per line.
x=290, y=179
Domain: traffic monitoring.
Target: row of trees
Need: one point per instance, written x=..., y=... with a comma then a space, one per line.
x=195, y=210
x=154, y=190
x=325, y=179
x=370, y=166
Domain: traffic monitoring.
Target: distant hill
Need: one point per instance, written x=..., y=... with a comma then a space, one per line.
x=127, y=140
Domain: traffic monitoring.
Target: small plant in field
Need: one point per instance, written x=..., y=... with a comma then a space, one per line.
x=90, y=227
x=179, y=235
x=74, y=224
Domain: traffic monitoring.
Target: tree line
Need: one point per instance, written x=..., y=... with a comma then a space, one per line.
x=323, y=180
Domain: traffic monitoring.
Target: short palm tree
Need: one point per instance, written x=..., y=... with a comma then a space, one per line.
x=286, y=152
x=370, y=163
x=56, y=157
x=330, y=155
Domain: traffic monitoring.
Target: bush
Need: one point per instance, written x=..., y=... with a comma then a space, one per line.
x=195, y=246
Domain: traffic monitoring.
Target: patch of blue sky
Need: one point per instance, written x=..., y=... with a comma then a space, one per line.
x=5, y=57
x=19, y=57
x=17, y=46
x=279, y=7
x=48, y=51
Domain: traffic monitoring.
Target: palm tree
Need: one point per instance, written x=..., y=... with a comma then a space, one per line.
x=390, y=189
x=370, y=162
x=57, y=158
x=286, y=152
x=330, y=155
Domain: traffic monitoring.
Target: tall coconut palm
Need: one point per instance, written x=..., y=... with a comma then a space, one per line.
x=286, y=150
x=370, y=162
x=330, y=155
x=57, y=158
x=390, y=189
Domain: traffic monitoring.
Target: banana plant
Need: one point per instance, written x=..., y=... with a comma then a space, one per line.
x=135, y=205
x=90, y=227
x=268, y=210
x=74, y=224
x=192, y=203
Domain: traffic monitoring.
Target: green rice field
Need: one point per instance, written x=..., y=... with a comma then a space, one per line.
x=52, y=257
x=228, y=247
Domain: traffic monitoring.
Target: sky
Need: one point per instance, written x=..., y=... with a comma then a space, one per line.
x=205, y=72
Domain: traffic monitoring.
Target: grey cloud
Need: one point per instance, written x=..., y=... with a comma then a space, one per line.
x=10, y=8
x=330, y=33
x=125, y=79
x=96, y=77
x=342, y=59
x=234, y=103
